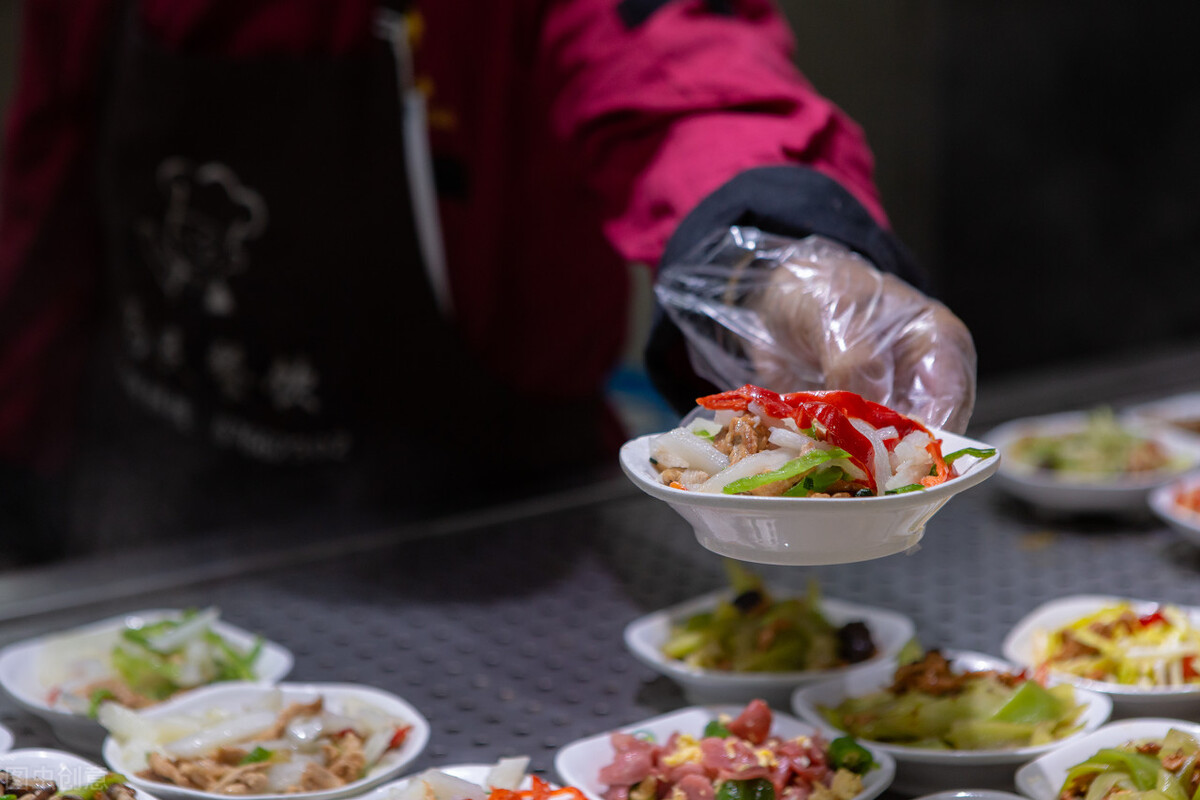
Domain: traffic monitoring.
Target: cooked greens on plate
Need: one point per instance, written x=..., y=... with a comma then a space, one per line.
x=1148, y=769
x=931, y=705
x=757, y=632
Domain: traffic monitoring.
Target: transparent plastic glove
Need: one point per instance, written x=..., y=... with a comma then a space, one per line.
x=793, y=315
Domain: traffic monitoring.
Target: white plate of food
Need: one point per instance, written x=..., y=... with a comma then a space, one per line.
x=1148, y=667
x=975, y=734
x=1087, y=461
x=260, y=741
x=727, y=659
x=60, y=677
x=805, y=478
x=1178, y=504
x=457, y=782
x=27, y=768
x=1045, y=778
x=1178, y=415
x=681, y=740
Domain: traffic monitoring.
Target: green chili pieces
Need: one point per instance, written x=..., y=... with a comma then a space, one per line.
x=792, y=469
x=845, y=753
x=716, y=728
x=256, y=756
x=978, y=452
x=755, y=789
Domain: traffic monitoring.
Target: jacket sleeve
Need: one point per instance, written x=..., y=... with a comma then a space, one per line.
x=49, y=236
x=689, y=117
x=669, y=101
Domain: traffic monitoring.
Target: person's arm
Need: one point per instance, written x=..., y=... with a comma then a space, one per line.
x=670, y=101
x=690, y=117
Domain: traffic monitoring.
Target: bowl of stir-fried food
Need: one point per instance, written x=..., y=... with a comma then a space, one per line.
x=1146, y=758
x=953, y=718
x=751, y=640
x=30, y=774
x=317, y=741
x=724, y=753
x=135, y=659
x=1143, y=654
x=1178, y=504
x=804, y=477
x=1089, y=461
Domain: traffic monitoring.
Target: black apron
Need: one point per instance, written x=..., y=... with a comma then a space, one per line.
x=268, y=299
x=271, y=311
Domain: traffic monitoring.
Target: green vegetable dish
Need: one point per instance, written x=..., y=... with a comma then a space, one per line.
x=931, y=706
x=1102, y=449
x=1149, y=769
x=755, y=632
x=150, y=662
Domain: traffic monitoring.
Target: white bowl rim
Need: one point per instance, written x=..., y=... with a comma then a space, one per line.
x=1022, y=634
x=638, y=469
x=11, y=654
x=1162, y=502
x=653, y=656
x=1079, y=749
x=1006, y=433
x=803, y=705
x=208, y=696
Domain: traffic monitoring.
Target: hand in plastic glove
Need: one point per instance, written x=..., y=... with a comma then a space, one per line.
x=868, y=332
x=811, y=314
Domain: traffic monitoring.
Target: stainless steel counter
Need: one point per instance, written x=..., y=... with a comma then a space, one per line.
x=504, y=626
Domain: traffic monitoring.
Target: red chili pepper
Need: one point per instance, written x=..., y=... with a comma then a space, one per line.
x=1153, y=617
x=398, y=737
x=941, y=468
x=740, y=400
x=1189, y=668
x=855, y=405
x=839, y=432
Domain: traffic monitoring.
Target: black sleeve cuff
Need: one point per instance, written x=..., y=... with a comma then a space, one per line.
x=785, y=200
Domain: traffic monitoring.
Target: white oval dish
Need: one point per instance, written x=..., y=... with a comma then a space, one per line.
x=239, y=695
x=1045, y=489
x=1183, y=521
x=1041, y=779
x=1021, y=642
x=646, y=636
x=808, y=530
x=1169, y=414
x=922, y=770
x=578, y=763
x=65, y=769
x=30, y=669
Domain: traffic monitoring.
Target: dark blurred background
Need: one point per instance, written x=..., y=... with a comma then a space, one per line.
x=1039, y=158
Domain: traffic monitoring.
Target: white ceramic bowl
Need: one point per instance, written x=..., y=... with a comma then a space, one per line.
x=127, y=759
x=922, y=770
x=65, y=769
x=808, y=530
x=1045, y=489
x=1020, y=647
x=475, y=773
x=1182, y=520
x=29, y=670
x=646, y=636
x=972, y=794
x=578, y=764
x=1169, y=414
x=1041, y=779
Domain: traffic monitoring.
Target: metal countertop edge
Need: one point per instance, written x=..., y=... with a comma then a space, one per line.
x=70, y=585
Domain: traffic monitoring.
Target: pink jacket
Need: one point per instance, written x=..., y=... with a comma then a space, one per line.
x=569, y=137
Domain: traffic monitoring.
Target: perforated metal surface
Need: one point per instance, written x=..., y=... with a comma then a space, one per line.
x=507, y=634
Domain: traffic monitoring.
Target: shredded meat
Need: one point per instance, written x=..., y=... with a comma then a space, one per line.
x=317, y=778
x=933, y=675
x=286, y=716
x=742, y=437
x=1073, y=648
x=121, y=693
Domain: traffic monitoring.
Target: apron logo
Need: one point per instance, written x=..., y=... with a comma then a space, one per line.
x=201, y=240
